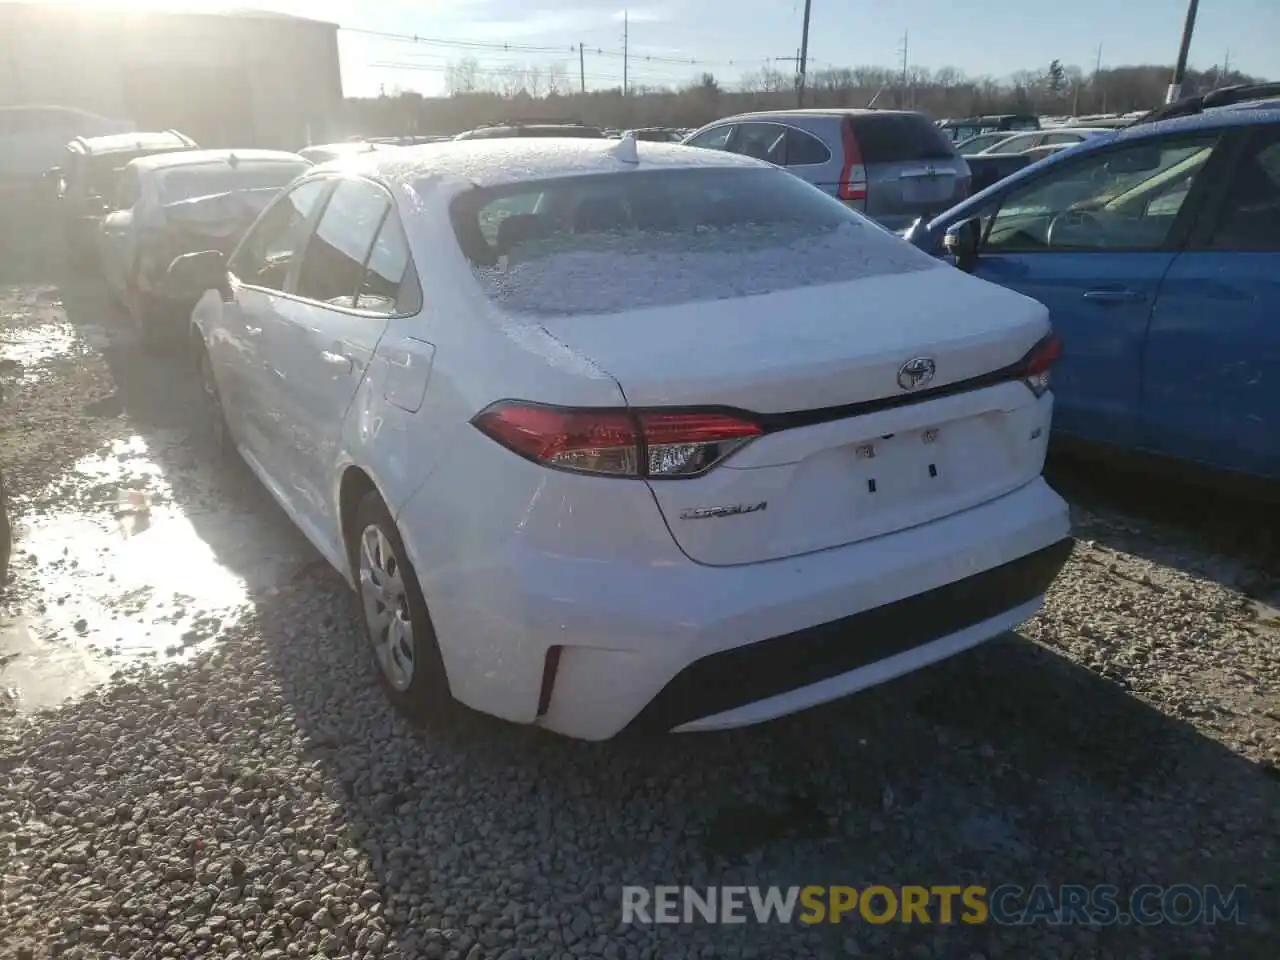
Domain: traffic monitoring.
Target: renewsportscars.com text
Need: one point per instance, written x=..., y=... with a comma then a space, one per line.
x=1007, y=904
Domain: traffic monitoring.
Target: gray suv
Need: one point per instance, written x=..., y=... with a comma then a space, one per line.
x=892, y=165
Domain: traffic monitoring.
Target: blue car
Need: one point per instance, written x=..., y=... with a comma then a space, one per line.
x=1156, y=249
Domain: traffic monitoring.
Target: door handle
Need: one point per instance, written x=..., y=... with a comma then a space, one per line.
x=340, y=363
x=253, y=331
x=1114, y=296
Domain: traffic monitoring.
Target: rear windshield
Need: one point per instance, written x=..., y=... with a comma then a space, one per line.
x=896, y=137
x=635, y=239
x=206, y=179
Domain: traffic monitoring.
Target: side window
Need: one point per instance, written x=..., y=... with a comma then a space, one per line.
x=804, y=148
x=714, y=139
x=1062, y=138
x=333, y=264
x=390, y=284
x=1124, y=199
x=763, y=141
x=1250, y=217
x=272, y=245
x=128, y=192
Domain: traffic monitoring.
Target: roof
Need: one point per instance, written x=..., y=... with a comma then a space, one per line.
x=161, y=161
x=814, y=112
x=489, y=163
x=130, y=142
x=158, y=6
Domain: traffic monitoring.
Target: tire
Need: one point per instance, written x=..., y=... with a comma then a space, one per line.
x=154, y=317
x=215, y=416
x=420, y=692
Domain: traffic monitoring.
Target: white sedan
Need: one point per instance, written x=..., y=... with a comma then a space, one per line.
x=619, y=437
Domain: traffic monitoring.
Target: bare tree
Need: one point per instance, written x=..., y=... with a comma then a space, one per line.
x=462, y=76
x=533, y=81
x=557, y=80
x=510, y=80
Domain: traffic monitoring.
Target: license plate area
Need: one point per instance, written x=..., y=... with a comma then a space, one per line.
x=901, y=468
x=920, y=187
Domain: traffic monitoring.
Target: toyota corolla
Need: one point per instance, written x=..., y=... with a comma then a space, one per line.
x=612, y=436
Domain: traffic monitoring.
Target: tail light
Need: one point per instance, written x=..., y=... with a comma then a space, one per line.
x=1038, y=363
x=653, y=444
x=848, y=189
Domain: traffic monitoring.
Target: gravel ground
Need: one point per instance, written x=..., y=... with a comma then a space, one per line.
x=260, y=801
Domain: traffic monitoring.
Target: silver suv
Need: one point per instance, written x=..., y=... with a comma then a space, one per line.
x=892, y=165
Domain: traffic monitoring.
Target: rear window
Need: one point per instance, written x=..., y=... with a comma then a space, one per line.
x=207, y=179
x=896, y=137
x=650, y=238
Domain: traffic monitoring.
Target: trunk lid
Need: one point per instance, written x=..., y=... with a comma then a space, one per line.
x=846, y=454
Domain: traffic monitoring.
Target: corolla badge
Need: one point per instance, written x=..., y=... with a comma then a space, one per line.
x=711, y=513
x=916, y=372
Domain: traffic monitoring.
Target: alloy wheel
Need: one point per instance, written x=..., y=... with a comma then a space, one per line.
x=385, y=602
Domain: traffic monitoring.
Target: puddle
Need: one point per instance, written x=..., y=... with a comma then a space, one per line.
x=140, y=571
x=24, y=350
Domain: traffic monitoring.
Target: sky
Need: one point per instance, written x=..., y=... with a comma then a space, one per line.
x=730, y=38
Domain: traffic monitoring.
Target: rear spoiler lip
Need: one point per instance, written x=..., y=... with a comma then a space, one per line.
x=795, y=419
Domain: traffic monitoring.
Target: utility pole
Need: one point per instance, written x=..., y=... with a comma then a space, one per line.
x=582, y=69
x=625, y=52
x=1097, y=82
x=903, y=95
x=804, y=56
x=1226, y=68
x=1180, y=69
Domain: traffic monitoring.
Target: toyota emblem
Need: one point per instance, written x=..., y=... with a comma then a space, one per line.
x=916, y=373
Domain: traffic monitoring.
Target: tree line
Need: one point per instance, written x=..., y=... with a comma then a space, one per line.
x=477, y=96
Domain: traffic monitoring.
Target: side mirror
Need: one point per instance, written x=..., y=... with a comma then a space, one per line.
x=912, y=233
x=961, y=242
x=191, y=274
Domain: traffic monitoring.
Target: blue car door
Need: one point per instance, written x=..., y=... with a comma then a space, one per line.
x=1092, y=239
x=1211, y=389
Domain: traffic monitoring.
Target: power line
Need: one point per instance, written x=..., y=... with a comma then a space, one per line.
x=571, y=48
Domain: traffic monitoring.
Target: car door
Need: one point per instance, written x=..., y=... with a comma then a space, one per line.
x=1211, y=383
x=320, y=343
x=1092, y=239
x=117, y=232
x=260, y=269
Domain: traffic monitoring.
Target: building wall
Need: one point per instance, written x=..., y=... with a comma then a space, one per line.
x=225, y=80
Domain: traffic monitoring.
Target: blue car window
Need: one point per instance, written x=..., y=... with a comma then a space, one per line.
x=1251, y=214
x=1122, y=199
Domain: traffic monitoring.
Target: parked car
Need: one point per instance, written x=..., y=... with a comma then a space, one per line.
x=531, y=128
x=657, y=134
x=973, y=145
x=33, y=138
x=967, y=127
x=88, y=176
x=1022, y=142
x=644, y=503
x=892, y=165
x=324, y=152
x=1156, y=249
x=988, y=168
x=169, y=204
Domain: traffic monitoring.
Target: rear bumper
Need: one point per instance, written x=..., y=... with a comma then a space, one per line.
x=778, y=676
x=649, y=640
